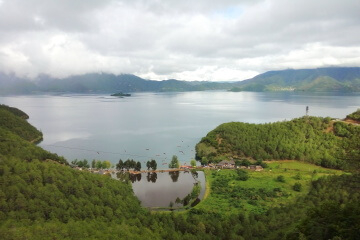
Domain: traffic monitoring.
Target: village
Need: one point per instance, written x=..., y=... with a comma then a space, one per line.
x=224, y=164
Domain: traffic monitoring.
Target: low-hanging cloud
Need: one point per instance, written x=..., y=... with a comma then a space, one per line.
x=188, y=40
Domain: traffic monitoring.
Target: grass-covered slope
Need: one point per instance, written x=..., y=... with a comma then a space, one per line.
x=260, y=191
x=312, y=139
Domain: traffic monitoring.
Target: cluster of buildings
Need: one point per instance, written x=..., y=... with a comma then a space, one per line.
x=230, y=164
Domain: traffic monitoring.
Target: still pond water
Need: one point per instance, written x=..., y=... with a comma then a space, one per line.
x=159, y=125
x=161, y=189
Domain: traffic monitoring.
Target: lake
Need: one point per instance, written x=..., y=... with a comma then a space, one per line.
x=159, y=125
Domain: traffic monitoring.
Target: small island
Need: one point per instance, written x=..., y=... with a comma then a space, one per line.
x=121, y=94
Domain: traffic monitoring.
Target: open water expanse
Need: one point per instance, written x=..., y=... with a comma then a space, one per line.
x=158, y=125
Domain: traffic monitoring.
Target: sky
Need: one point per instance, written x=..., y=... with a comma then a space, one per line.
x=213, y=40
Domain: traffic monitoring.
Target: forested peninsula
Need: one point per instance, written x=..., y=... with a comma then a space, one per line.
x=42, y=197
x=327, y=142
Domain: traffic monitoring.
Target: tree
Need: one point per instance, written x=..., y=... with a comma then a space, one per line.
x=242, y=175
x=174, y=162
x=280, y=178
x=106, y=164
x=93, y=163
x=245, y=162
x=98, y=164
x=120, y=165
x=193, y=163
x=138, y=166
x=153, y=164
x=297, y=187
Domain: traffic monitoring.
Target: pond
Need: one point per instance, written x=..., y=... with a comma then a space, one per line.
x=165, y=189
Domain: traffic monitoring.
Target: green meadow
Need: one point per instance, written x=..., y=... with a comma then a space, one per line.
x=272, y=187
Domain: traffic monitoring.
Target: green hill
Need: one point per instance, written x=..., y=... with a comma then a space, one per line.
x=316, y=140
x=15, y=111
x=333, y=79
x=16, y=123
x=41, y=197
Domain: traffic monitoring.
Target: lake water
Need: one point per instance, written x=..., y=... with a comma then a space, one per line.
x=158, y=125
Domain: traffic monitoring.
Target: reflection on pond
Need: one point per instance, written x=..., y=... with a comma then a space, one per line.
x=167, y=189
x=195, y=174
x=135, y=177
x=151, y=177
x=174, y=176
x=191, y=197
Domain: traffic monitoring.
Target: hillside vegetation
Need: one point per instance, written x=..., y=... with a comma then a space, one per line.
x=321, y=141
x=18, y=125
x=15, y=111
x=354, y=116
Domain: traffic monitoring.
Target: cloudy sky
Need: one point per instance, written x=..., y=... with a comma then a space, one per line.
x=214, y=40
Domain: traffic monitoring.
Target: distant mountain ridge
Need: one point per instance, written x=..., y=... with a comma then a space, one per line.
x=332, y=79
x=101, y=83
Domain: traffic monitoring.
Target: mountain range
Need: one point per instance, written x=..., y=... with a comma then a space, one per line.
x=339, y=79
x=332, y=79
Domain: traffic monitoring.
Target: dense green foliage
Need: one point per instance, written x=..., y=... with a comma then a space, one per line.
x=354, y=116
x=151, y=164
x=15, y=136
x=128, y=164
x=306, y=139
x=37, y=190
x=80, y=163
x=18, y=125
x=174, y=162
x=333, y=79
x=261, y=208
x=15, y=111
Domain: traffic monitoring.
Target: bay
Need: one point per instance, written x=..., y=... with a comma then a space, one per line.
x=158, y=125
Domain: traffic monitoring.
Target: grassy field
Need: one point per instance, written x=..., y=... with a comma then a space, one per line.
x=262, y=190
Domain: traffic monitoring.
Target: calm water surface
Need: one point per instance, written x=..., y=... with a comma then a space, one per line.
x=158, y=125
x=159, y=189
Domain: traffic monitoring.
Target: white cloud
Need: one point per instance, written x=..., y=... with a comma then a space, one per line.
x=191, y=40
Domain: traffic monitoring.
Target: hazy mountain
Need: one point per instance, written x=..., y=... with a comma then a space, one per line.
x=101, y=82
x=330, y=79
x=315, y=80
